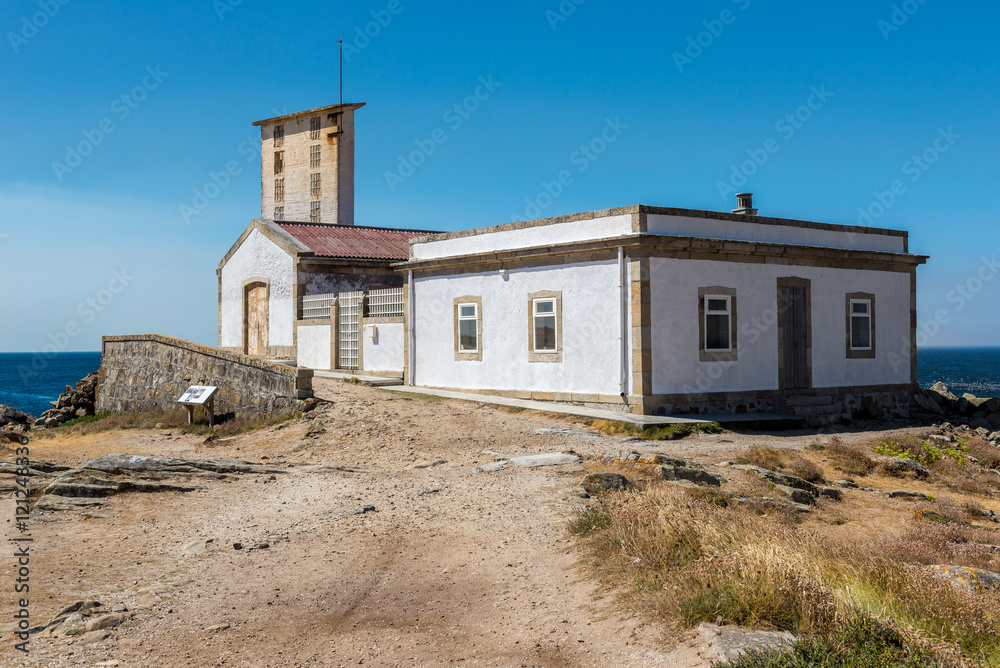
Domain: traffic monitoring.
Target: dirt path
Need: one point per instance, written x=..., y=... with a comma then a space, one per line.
x=452, y=567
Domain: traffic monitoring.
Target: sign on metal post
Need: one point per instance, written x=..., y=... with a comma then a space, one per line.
x=200, y=395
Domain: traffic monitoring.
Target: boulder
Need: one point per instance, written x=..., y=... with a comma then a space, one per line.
x=105, y=622
x=797, y=495
x=595, y=483
x=926, y=404
x=969, y=579
x=906, y=494
x=902, y=466
x=10, y=415
x=690, y=474
x=941, y=393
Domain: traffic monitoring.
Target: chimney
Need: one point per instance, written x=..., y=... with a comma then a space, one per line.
x=745, y=203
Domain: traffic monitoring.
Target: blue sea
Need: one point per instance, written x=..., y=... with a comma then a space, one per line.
x=972, y=370
x=29, y=381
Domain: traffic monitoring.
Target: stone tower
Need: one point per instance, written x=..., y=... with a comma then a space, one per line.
x=307, y=165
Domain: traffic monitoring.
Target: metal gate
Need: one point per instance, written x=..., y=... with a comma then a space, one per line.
x=347, y=328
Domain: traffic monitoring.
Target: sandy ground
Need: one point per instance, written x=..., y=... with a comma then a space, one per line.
x=453, y=567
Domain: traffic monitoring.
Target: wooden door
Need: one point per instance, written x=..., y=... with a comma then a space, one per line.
x=256, y=319
x=795, y=337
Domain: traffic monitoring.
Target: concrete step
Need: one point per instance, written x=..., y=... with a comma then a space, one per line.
x=819, y=400
x=810, y=411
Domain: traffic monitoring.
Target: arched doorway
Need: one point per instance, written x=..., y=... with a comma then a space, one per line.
x=255, y=319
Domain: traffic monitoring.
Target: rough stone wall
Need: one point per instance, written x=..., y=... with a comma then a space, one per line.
x=149, y=372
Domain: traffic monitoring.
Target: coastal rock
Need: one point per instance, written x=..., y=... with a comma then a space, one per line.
x=941, y=390
x=75, y=402
x=12, y=416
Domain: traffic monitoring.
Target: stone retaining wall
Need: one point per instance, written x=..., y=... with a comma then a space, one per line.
x=150, y=372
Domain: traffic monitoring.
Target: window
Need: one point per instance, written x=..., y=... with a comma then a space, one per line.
x=314, y=156
x=314, y=212
x=279, y=190
x=279, y=162
x=314, y=127
x=860, y=325
x=279, y=135
x=314, y=187
x=279, y=213
x=468, y=329
x=717, y=324
x=545, y=326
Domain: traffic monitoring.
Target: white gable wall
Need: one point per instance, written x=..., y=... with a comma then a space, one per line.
x=258, y=256
x=675, y=332
x=590, y=334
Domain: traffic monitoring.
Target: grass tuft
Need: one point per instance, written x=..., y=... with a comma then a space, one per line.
x=669, y=432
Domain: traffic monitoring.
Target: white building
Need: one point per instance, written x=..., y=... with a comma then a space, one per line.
x=641, y=309
x=659, y=311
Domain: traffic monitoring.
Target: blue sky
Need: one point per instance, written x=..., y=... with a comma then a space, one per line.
x=161, y=95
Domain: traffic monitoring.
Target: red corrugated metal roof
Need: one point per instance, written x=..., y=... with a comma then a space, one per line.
x=354, y=241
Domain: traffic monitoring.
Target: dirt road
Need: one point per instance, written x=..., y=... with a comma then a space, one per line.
x=453, y=567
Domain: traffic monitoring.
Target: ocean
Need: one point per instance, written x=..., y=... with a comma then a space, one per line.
x=29, y=381
x=972, y=370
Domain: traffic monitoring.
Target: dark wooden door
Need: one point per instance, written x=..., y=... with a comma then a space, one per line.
x=256, y=323
x=795, y=344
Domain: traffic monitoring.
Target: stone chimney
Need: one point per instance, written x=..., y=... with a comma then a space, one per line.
x=744, y=202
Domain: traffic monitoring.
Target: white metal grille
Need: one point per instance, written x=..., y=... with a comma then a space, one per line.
x=385, y=303
x=349, y=318
x=317, y=306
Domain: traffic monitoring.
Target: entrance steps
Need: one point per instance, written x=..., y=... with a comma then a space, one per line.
x=817, y=410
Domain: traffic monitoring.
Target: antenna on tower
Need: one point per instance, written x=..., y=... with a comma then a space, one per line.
x=341, y=42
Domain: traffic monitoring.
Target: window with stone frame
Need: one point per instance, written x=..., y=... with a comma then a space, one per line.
x=314, y=127
x=860, y=321
x=717, y=322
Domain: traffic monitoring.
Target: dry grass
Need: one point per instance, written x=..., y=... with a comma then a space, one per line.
x=687, y=558
x=850, y=459
x=785, y=461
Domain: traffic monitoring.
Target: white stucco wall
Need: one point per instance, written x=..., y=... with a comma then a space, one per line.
x=385, y=352
x=590, y=330
x=258, y=256
x=541, y=235
x=746, y=231
x=675, y=334
x=314, y=347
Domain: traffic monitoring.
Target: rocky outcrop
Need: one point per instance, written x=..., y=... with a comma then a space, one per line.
x=595, y=483
x=980, y=414
x=93, y=483
x=13, y=420
x=76, y=402
x=969, y=579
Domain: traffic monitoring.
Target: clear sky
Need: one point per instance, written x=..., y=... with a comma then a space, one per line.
x=117, y=115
